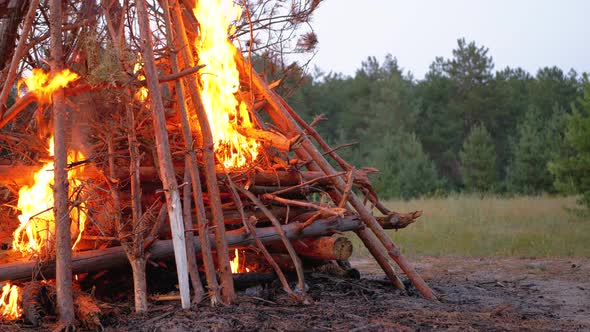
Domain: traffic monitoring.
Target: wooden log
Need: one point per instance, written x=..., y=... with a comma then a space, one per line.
x=395, y=220
x=270, y=138
x=191, y=177
x=241, y=281
x=23, y=175
x=296, y=192
x=324, y=248
x=101, y=259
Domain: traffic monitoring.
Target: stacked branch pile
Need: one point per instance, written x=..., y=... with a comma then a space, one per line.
x=152, y=160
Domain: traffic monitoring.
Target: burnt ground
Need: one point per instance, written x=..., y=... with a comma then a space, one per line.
x=476, y=294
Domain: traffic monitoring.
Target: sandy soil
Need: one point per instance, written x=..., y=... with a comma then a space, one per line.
x=476, y=295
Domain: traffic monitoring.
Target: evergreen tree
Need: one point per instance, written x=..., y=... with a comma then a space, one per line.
x=536, y=143
x=405, y=169
x=478, y=161
x=457, y=94
x=380, y=101
x=553, y=87
x=511, y=99
x=440, y=129
x=572, y=170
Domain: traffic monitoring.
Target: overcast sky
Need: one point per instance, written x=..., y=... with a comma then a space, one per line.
x=526, y=33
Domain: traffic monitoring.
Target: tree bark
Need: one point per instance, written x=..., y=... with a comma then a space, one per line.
x=324, y=248
x=193, y=269
x=139, y=283
x=63, y=241
x=164, y=155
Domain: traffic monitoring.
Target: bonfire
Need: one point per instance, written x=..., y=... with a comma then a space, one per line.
x=193, y=156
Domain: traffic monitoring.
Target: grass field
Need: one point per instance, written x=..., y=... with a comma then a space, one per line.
x=484, y=227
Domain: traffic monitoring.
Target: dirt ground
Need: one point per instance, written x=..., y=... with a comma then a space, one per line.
x=476, y=295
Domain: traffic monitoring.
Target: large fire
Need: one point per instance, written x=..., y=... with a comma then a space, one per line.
x=220, y=82
x=43, y=84
x=37, y=222
x=9, y=302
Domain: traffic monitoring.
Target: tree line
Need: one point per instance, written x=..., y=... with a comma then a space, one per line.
x=464, y=127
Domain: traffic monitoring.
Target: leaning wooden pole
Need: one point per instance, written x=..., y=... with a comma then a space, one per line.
x=63, y=251
x=282, y=118
x=227, y=282
x=368, y=238
x=193, y=268
x=164, y=156
x=193, y=167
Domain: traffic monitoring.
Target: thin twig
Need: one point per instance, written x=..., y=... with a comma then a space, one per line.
x=336, y=211
x=282, y=191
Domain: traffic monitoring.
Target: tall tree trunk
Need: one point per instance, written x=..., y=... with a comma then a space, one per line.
x=139, y=282
x=134, y=249
x=164, y=156
x=63, y=241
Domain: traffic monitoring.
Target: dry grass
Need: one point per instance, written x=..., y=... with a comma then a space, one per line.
x=483, y=227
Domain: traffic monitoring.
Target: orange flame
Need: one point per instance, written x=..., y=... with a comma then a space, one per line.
x=43, y=85
x=142, y=93
x=234, y=264
x=9, y=302
x=37, y=223
x=220, y=82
